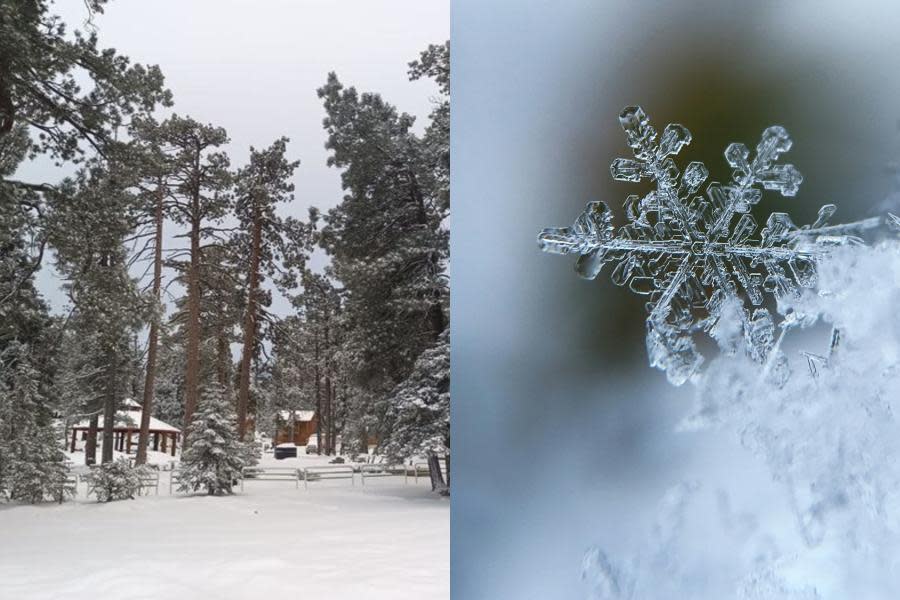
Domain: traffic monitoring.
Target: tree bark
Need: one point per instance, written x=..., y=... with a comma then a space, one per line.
x=330, y=410
x=447, y=463
x=434, y=470
x=329, y=439
x=90, y=446
x=109, y=412
x=319, y=416
x=222, y=358
x=192, y=362
x=153, y=338
x=436, y=317
x=249, y=325
x=7, y=107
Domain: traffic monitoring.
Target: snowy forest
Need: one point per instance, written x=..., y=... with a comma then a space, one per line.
x=170, y=256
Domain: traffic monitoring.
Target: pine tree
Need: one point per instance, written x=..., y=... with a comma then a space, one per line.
x=42, y=70
x=320, y=305
x=198, y=201
x=261, y=185
x=215, y=457
x=151, y=175
x=117, y=480
x=23, y=315
x=92, y=215
x=223, y=299
x=60, y=94
x=169, y=383
x=388, y=241
x=32, y=464
x=418, y=412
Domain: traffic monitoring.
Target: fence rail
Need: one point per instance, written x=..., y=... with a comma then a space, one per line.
x=421, y=468
x=149, y=480
x=374, y=471
x=174, y=477
x=270, y=474
x=327, y=472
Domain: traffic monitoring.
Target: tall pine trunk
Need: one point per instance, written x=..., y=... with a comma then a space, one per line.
x=153, y=338
x=332, y=426
x=436, y=317
x=447, y=466
x=249, y=325
x=192, y=366
x=90, y=446
x=222, y=358
x=329, y=440
x=434, y=470
x=109, y=411
x=319, y=416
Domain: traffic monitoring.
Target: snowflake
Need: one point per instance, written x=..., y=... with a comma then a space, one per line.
x=695, y=256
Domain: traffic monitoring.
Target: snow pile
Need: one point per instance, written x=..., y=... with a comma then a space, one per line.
x=828, y=437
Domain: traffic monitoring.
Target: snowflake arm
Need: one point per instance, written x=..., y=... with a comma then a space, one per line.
x=694, y=254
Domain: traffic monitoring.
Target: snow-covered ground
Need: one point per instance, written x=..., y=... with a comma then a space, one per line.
x=386, y=540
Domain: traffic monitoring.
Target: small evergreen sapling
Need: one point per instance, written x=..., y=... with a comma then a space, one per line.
x=214, y=456
x=117, y=480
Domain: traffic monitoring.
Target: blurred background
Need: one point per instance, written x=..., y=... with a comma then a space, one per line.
x=564, y=437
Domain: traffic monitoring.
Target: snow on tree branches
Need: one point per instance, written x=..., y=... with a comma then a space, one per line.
x=214, y=458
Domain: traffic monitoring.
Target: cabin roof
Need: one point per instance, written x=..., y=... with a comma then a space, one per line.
x=302, y=416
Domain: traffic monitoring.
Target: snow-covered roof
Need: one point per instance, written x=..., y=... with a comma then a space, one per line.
x=131, y=418
x=301, y=415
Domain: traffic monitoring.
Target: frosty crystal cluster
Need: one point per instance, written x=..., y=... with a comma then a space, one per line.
x=696, y=255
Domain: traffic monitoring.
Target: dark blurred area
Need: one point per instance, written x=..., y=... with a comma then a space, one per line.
x=550, y=371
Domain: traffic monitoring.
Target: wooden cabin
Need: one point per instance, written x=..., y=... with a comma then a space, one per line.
x=295, y=427
x=127, y=429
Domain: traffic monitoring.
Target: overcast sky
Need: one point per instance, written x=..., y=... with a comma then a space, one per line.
x=253, y=67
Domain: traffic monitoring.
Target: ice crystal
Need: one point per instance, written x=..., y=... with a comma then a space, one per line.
x=696, y=256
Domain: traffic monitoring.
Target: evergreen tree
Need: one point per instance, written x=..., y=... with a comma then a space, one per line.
x=288, y=386
x=320, y=305
x=388, y=241
x=92, y=216
x=169, y=383
x=32, y=464
x=418, y=412
x=215, y=457
x=223, y=299
x=261, y=185
x=43, y=68
x=23, y=314
x=434, y=64
x=199, y=200
x=60, y=94
x=117, y=480
x=151, y=172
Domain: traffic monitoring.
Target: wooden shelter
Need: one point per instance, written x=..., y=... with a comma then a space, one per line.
x=127, y=428
x=295, y=427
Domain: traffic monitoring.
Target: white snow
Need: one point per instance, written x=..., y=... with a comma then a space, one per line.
x=387, y=540
x=302, y=416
